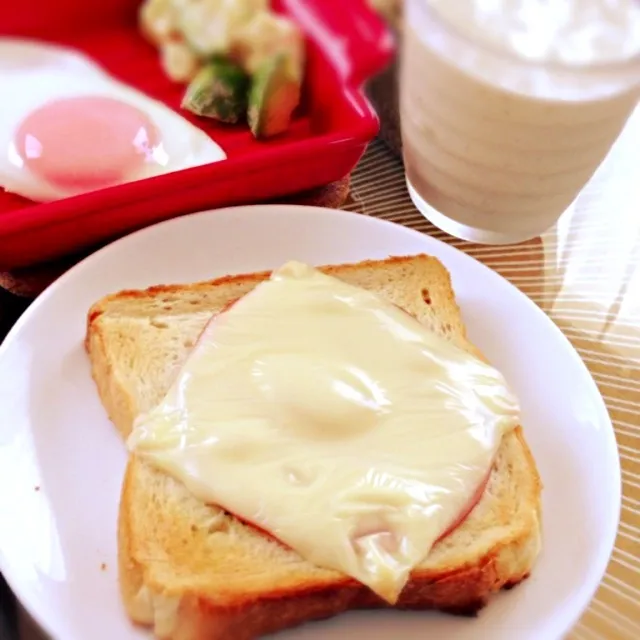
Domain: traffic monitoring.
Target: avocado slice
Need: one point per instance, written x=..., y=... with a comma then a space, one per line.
x=219, y=90
x=275, y=93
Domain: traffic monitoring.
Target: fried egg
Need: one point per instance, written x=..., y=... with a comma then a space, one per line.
x=67, y=127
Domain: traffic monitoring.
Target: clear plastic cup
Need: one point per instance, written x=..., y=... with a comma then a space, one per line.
x=497, y=147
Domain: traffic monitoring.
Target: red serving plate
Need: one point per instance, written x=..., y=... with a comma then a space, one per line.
x=347, y=43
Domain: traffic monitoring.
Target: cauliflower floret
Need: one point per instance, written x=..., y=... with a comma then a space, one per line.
x=266, y=36
x=178, y=61
x=210, y=26
x=158, y=20
x=189, y=32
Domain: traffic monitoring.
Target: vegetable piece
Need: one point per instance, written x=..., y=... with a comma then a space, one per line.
x=210, y=26
x=218, y=91
x=275, y=93
x=158, y=20
x=178, y=61
x=263, y=37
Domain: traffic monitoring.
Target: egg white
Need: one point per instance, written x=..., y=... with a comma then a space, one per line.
x=33, y=74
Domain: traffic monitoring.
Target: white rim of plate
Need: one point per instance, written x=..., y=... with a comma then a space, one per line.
x=597, y=569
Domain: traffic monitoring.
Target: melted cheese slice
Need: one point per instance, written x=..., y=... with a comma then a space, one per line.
x=333, y=420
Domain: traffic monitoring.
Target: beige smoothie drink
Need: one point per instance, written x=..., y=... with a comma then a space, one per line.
x=508, y=107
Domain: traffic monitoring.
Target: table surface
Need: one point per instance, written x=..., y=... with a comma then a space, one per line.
x=585, y=274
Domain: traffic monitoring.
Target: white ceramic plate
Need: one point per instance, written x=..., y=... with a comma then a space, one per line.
x=61, y=461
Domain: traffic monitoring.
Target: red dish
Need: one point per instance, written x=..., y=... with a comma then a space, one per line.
x=347, y=44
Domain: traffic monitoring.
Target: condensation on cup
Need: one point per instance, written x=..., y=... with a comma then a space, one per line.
x=508, y=107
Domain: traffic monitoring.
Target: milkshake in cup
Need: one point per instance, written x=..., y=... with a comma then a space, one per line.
x=509, y=106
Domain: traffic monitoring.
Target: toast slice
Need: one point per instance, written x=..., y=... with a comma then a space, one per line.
x=193, y=572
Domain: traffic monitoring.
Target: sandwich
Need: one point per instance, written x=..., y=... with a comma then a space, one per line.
x=257, y=462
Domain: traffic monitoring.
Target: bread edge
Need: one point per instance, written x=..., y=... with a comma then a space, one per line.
x=118, y=405
x=461, y=591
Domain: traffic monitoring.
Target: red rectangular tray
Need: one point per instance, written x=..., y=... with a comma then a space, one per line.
x=347, y=44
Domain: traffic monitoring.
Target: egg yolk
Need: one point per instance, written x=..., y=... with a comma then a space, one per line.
x=86, y=142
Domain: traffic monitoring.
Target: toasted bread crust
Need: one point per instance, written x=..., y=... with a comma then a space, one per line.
x=462, y=590
x=115, y=397
x=152, y=587
x=248, y=281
